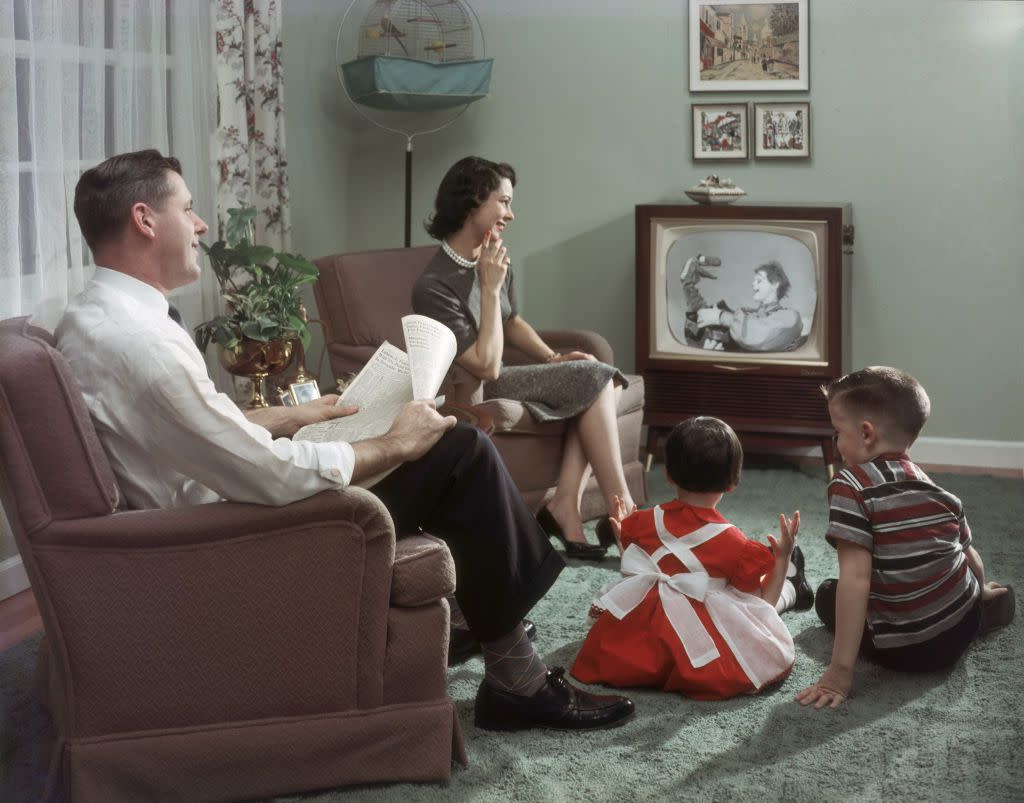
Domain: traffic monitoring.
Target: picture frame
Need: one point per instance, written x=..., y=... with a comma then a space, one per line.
x=303, y=392
x=720, y=132
x=749, y=46
x=782, y=130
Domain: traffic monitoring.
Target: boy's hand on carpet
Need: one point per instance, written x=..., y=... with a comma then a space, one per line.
x=832, y=689
x=992, y=589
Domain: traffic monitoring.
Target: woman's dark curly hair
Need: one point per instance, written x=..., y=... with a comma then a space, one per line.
x=467, y=184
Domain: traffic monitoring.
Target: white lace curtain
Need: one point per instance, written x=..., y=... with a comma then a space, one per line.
x=81, y=81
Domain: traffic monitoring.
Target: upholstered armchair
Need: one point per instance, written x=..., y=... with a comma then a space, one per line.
x=362, y=297
x=223, y=651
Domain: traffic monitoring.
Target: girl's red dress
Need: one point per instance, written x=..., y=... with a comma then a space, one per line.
x=643, y=648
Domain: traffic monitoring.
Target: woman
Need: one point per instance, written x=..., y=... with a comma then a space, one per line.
x=468, y=287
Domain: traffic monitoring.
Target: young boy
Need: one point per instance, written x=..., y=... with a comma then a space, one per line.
x=911, y=593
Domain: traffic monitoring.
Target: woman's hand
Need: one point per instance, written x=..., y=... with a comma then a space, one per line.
x=573, y=355
x=492, y=265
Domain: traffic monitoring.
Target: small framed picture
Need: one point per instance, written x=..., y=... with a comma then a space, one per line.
x=720, y=132
x=749, y=46
x=782, y=130
x=303, y=392
x=285, y=397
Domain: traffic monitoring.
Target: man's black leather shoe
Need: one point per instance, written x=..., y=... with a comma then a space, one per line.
x=462, y=645
x=804, y=593
x=558, y=705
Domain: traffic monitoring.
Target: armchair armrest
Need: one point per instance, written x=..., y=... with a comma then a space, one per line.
x=219, y=613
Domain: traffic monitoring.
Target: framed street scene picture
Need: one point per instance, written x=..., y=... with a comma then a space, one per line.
x=720, y=131
x=749, y=46
x=782, y=130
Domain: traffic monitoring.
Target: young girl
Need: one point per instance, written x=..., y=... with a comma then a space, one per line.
x=695, y=611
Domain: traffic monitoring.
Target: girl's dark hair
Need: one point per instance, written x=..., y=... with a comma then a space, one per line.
x=105, y=194
x=467, y=184
x=703, y=454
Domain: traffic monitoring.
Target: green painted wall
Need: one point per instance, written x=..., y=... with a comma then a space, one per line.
x=916, y=120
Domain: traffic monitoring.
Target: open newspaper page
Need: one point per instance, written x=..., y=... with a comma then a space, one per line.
x=379, y=391
x=431, y=348
x=386, y=383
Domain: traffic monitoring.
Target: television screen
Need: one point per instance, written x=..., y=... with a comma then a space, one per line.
x=739, y=291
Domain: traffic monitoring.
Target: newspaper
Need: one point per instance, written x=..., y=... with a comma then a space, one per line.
x=389, y=380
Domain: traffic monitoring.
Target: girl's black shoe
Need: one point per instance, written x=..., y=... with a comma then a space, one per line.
x=605, y=532
x=573, y=549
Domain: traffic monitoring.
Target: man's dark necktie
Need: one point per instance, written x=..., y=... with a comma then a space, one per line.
x=174, y=315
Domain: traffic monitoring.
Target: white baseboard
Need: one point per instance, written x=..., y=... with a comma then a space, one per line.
x=957, y=453
x=970, y=453
x=13, y=579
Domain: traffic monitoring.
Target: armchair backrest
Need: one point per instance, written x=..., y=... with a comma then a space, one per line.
x=362, y=298
x=52, y=466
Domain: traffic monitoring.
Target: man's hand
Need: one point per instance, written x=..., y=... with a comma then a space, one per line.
x=831, y=690
x=283, y=422
x=417, y=428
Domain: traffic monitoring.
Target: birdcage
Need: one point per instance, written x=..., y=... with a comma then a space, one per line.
x=416, y=55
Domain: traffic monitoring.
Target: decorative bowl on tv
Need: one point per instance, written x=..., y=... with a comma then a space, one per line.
x=715, y=195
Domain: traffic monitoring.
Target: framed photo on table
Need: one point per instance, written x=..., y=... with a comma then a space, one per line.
x=782, y=130
x=749, y=46
x=303, y=392
x=720, y=131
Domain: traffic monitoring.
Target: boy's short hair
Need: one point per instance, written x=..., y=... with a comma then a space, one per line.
x=106, y=193
x=703, y=454
x=889, y=397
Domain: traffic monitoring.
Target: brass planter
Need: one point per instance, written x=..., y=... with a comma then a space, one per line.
x=256, y=360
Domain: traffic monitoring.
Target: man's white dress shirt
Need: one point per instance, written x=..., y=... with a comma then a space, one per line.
x=171, y=438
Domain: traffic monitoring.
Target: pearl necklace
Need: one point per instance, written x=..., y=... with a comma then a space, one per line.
x=461, y=261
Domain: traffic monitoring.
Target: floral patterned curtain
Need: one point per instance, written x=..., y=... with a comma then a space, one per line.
x=250, y=143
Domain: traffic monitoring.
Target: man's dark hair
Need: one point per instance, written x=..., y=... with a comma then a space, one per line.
x=774, y=273
x=703, y=454
x=106, y=193
x=890, y=398
x=467, y=184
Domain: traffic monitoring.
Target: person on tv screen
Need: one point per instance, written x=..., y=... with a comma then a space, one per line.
x=769, y=326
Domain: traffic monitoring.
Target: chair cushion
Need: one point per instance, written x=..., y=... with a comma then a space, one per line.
x=52, y=460
x=423, y=573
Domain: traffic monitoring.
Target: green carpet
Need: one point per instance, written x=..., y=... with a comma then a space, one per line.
x=957, y=735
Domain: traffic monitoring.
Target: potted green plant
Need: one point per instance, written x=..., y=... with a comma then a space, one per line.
x=260, y=288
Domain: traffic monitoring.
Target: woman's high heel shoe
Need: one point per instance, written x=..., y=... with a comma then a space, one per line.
x=573, y=549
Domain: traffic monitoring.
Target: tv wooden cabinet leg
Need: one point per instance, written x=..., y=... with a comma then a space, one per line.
x=653, y=434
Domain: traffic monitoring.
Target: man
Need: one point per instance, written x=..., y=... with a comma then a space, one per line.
x=173, y=440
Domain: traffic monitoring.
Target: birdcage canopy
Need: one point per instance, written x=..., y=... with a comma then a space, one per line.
x=396, y=83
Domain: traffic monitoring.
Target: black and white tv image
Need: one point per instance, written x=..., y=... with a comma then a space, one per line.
x=739, y=291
